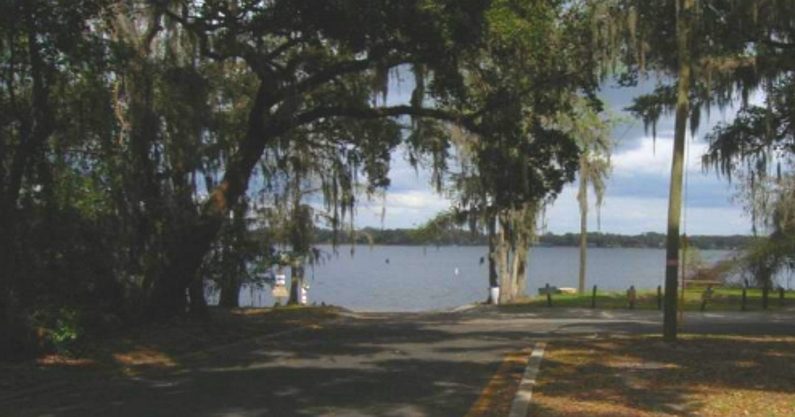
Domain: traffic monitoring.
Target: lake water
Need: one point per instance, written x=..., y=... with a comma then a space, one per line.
x=428, y=278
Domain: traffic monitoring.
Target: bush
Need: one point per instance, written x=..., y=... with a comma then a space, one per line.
x=60, y=330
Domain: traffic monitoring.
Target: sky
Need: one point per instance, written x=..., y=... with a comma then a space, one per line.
x=636, y=198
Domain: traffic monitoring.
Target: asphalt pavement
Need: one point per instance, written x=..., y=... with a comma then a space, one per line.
x=363, y=364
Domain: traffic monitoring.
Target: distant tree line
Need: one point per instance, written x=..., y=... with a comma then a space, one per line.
x=644, y=240
x=464, y=237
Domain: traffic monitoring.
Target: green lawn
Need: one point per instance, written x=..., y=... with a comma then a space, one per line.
x=722, y=299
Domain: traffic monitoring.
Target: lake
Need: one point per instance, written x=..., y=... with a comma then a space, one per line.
x=419, y=278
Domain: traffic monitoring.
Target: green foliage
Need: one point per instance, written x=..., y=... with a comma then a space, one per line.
x=141, y=124
x=759, y=138
x=756, y=152
x=60, y=329
x=692, y=258
x=725, y=60
x=66, y=331
x=444, y=228
x=130, y=130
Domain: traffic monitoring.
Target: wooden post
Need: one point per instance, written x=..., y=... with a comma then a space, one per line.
x=659, y=297
x=744, y=297
x=765, y=295
x=593, y=297
x=705, y=297
x=549, y=296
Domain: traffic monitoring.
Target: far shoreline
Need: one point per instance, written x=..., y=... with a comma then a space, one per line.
x=463, y=237
x=476, y=245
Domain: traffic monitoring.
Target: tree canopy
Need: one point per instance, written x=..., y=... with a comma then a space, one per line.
x=160, y=130
x=141, y=140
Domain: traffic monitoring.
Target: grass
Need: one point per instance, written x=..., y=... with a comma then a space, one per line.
x=701, y=376
x=723, y=299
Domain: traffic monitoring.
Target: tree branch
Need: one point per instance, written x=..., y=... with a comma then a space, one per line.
x=381, y=112
x=336, y=70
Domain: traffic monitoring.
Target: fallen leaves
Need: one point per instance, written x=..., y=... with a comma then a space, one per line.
x=707, y=376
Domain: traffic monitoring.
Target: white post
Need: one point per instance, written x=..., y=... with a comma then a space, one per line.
x=303, y=296
x=494, y=293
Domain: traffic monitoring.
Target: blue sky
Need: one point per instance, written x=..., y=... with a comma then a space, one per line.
x=637, y=192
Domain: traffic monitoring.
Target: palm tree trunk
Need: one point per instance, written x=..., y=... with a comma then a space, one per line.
x=583, y=199
x=684, y=16
x=296, y=283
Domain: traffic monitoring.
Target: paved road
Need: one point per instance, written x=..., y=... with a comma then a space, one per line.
x=392, y=365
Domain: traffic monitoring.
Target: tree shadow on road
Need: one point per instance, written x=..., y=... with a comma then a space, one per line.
x=390, y=366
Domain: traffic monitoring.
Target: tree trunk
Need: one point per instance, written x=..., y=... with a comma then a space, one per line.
x=507, y=290
x=583, y=200
x=525, y=229
x=520, y=272
x=513, y=272
x=493, y=276
x=6, y=269
x=198, y=304
x=765, y=296
x=179, y=270
x=766, y=278
x=35, y=128
x=684, y=16
x=296, y=283
x=167, y=297
x=508, y=287
x=230, y=292
x=512, y=247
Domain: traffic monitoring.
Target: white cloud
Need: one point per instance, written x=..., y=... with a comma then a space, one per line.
x=629, y=208
x=634, y=215
x=404, y=209
x=654, y=157
x=416, y=200
x=636, y=198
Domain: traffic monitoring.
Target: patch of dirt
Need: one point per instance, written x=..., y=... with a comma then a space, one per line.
x=700, y=376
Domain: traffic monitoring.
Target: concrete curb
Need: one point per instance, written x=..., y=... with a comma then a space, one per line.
x=521, y=402
x=465, y=307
